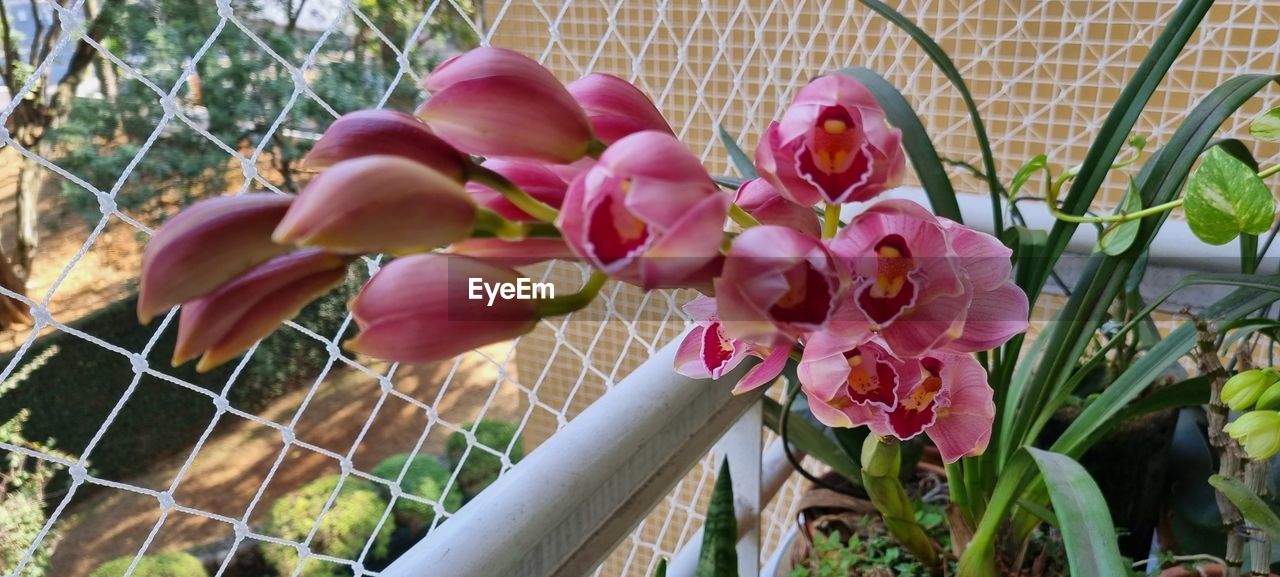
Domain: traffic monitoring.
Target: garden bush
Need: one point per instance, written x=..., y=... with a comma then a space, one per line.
x=159, y=565
x=350, y=522
x=482, y=467
x=69, y=396
x=426, y=478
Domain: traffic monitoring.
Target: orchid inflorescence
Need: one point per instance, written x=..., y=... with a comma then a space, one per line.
x=504, y=166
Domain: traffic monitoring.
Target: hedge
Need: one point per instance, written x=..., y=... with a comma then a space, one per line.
x=160, y=565
x=348, y=524
x=481, y=467
x=426, y=478
x=70, y=395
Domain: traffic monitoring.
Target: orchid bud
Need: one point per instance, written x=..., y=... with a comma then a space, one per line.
x=226, y=322
x=373, y=132
x=1242, y=390
x=432, y=307
x=535, y=178
x=761, y=200
x=498, y=102
x=206, y=245
x=881, y=457
x=379, y=204
x=647, y=212
x=615, y=107
x=1258, y=432
x=1270, y=399
x=832, y=145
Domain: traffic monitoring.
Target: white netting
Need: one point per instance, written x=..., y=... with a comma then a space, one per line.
x=1043, y=73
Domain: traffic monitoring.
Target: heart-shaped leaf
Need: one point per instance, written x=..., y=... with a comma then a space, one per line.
x=1267, y=126
x=1225, y=197
x=1119, y=236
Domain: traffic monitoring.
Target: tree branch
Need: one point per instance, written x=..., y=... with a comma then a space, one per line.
x=10, y=51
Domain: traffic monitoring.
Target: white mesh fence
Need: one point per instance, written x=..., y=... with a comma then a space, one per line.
x=1043, y=73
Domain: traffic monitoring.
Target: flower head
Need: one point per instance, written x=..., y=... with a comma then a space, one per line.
x=375, y=132
x=1258, y=432
x=615, y=107
x=229, y=320
x=761, y=200
x=206, y=245
x=777, y=282
x=379, y=204
x=1243, y=389
x=832, y=145
x=646, y=213
x=498, y=102
x=420, y=309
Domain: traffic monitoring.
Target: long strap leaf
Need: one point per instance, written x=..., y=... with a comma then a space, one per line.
x=1088, y=534
x=915, y=140
x=948, y=68
x=719, y=555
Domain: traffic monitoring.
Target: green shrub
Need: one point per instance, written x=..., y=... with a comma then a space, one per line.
x=23, y=481
x=426, y=478
x=348, y=525
x=70, y=396
x=159, y=565
x=482, y=467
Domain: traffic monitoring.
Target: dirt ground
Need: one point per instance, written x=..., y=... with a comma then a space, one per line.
x=231, y=467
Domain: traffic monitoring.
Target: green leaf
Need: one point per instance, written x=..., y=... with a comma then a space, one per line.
x=1115, y=130
x=1120, y=236
x=1267, y=126
x=661, y=571
x=719, y=555
x=1254, y=509
x=809, y=439
x=915, y=141
x=1225, y=198
x=739, y=157
x=948, y=68
x=729, y=182
x=1024, y=174
x=1088, y=533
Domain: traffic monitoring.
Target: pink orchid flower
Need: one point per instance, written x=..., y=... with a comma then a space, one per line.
x=646, y=213
x=907, y=283
x=495, y=102
x=373, y=132
x=832, y=145
x=420, y=309
x=849, y=385
x=999, y=308
x=205, y=246
x=535, y=178
x=379, y=204
x=777, y=285
x=226, y=322
x=761, y=200
x=949, y=400
x=616, y=107
x=707, y=353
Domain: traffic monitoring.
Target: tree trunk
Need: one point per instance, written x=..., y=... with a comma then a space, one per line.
x=12, y=311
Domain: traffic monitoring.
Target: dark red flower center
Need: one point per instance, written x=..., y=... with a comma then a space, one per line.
x=808, y=297
x=613, y=231
x=891, y=289
x=717, y=350
x=834, y=159
x=871, y=379
x=916, y=410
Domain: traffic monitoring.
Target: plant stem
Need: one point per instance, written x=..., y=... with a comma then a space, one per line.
x=534, y=207
x=1122, y=217
x=881, y=463
x=831, y=221
x=1229, y=452
x=596, y=148
x=488, y=221
x=563, y=305
x=1270, y=171
x=742, y=217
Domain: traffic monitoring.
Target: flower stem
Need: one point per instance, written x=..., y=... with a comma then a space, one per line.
x=488, y=221
x=742, y=217
x=881, y=463
x=1270, y=171
x=831, y=220
x=596, y=148
x=534, y=207
x=563, y=305
x=1122, y=217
